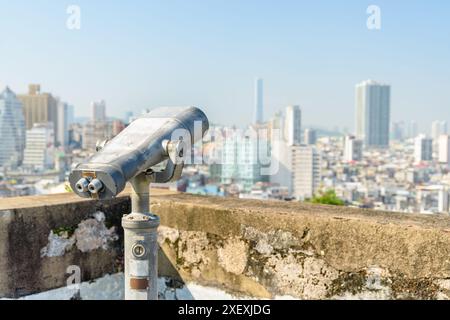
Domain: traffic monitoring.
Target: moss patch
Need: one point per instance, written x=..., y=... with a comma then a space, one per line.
x=423, y=289
x=352, y=283
x=65, y=232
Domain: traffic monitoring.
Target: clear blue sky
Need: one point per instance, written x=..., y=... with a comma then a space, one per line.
x=140, y=54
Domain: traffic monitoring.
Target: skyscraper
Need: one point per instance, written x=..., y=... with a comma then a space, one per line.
x=98, y=111
x=39, y=107
x=40, y=151
x=239, y=157
x=310, y=137
x=94, y=132
x=412, y=130
x=293, y=126
x=98, y=128
x=62, y=135
x=352, y=149
x=70, y=114
x=305, y=171
x=398, y=131
x=259, y=102
x=12, y=129
x=444, y=149
x=438, y=128
x=373, y=113
x=423, y=149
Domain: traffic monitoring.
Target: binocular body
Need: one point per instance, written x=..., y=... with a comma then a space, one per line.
x=146, y=142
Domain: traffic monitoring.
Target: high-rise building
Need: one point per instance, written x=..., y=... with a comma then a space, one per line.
x=117, y=127
x=310, y=137
x=293, y=126
x=70, y=114
x=98, y=111
x=444, y=149
x=398, y=131
x=76, y=135
x=423, y=149
x=12, y=129
x=259, y=102
x=353, y=149
x=239, y=154
x=39, y=151
x=412, y=130
x=62, y=134
x=94, y=132
x=98, y=128
x=280, y=153
x=39, y=107
x=373, y=113
x=438, y=128
x=305, y=171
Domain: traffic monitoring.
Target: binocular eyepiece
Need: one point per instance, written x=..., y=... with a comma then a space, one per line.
x=84, y=185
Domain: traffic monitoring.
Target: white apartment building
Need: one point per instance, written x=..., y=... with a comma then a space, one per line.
x=293, y=126
x=444, y=149
x=438, y=128
x=423, y=149
x=98, y=111
x=241, y=152
x=40, y=150
x=310, y=137
x=373, y=113
x=12, y=129
x=305, y=171
x=353, y=149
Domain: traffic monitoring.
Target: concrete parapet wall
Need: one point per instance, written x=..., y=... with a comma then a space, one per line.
x=250, y=248
x=42, y=238
x=269, y=249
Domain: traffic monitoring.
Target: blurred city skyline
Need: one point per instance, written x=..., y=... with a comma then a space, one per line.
x=208, y=54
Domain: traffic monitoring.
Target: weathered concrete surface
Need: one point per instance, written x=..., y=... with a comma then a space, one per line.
x=244, y=247
x=25, y=265
x=266, y=249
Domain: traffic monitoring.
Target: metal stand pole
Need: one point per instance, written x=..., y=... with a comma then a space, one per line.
x=141, y=246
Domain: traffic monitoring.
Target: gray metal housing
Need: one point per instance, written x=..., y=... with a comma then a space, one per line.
x=136, y=149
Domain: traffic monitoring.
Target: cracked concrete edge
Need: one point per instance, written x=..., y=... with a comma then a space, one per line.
x=412, y=251
x=413, y=257
x=235, y=265
x=348, y=244
x=25, y=232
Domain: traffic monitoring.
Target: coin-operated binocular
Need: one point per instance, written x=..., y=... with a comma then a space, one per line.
x=164, y=137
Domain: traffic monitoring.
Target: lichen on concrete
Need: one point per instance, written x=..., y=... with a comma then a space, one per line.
x=288, y=265
x=167, y=234
x=233, y=256
x=190, y=247
x=57, y=245
x=244, y=248
x=92, y=234
x=89, y=235
x=267, y=242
